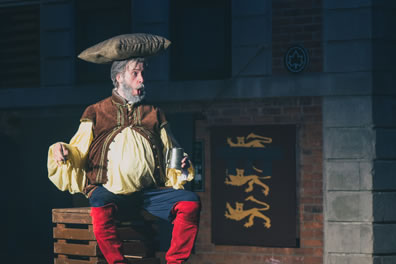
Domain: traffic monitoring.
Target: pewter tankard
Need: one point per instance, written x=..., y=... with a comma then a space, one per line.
x=174, y=157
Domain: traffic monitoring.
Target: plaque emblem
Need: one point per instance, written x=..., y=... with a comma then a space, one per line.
x=296, y=59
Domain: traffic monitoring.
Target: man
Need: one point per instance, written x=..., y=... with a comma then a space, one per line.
x=116, y=159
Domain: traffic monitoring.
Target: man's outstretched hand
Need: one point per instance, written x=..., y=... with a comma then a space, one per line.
x=60, y=153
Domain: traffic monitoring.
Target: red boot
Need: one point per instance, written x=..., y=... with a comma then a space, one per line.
x=106, y=234
x=185, y=228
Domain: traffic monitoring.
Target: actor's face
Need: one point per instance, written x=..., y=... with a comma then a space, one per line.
x=133, y=77
x=130, y=83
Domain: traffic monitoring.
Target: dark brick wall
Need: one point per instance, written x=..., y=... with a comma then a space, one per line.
x=297, y=22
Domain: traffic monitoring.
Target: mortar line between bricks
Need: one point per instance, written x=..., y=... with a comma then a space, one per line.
x=357, y=191
x=364, y=254
x=349, y=127
x=373, y=191
x=348, y=160
x=349, y=222
x=259, y=15
x=351, y=8
x=348, y=40
x=346, y=73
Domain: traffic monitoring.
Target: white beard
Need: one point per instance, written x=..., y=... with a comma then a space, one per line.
x=127, y=93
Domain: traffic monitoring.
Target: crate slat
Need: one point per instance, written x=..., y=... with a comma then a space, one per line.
x=63, y=259
x=78, y=210
x=71, y=218
x=94, y=260
x=73, y=233
x=132, y=248
x=124, y=233
x=65, y=248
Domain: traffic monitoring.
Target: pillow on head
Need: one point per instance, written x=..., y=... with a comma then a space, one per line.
x=125, y=47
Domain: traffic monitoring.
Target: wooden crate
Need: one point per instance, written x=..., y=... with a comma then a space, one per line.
x=75, y=241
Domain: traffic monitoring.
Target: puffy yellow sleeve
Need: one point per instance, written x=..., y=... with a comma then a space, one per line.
x=175, y=178
x=71, y=175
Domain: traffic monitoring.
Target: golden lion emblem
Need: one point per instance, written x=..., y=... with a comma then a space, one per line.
x=241, y=179
x=251, y=141
x=238, y=213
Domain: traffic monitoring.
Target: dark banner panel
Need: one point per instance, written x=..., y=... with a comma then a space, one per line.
x=254, y=185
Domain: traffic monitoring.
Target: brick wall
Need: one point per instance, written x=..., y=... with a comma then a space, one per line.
x=297, y=22
x=305, y=112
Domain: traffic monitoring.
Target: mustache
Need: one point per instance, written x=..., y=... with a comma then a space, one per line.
x=127, y=91
x=141, y=86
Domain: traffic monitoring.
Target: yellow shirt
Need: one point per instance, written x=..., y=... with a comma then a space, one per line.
x=130, y=168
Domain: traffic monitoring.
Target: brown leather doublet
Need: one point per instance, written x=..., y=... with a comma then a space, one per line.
x=110, y=116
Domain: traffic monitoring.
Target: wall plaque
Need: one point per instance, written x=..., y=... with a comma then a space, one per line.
x=296, y=59
x=254, y=185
